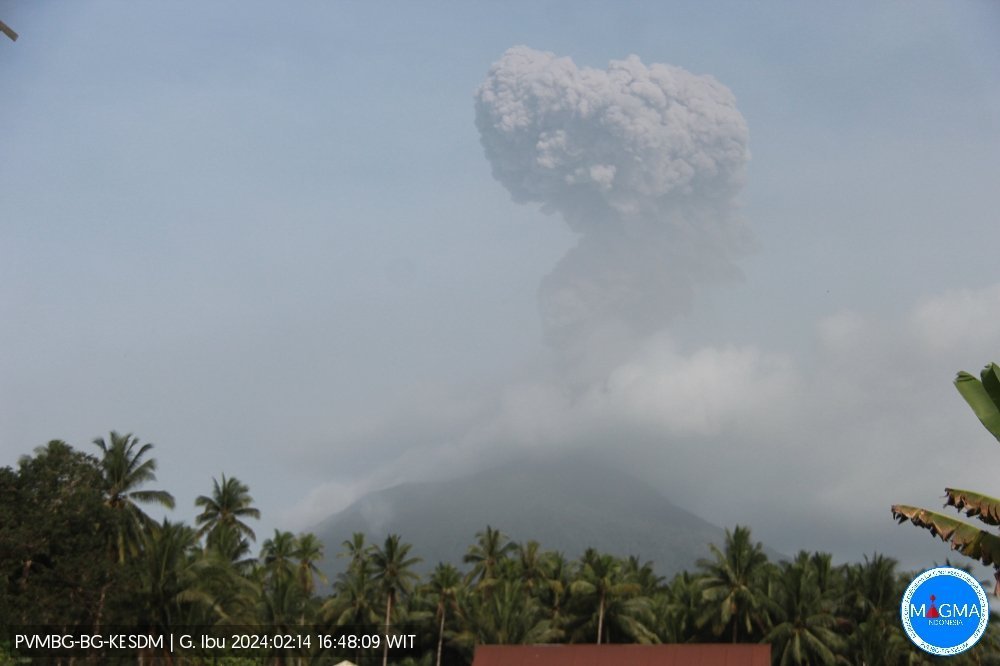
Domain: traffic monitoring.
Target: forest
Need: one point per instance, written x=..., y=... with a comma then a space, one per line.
x=79, y=554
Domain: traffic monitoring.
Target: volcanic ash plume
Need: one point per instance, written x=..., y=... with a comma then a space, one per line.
x=643, y=162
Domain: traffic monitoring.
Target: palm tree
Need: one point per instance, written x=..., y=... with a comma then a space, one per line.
x=277, y=555
x=733, y=586
x=983, y=396
x=530, y=566
x=806, y=632
x=309, y=551
x=231, y=546
x=229, y=505
x=353, y=600
x=555, y=592
x=286, y=577
x=504, y=617
x=491, y=548
x=678, y=609
x=445, y=584
x=281, y=603
x=603, y=586
x=872, y=587
x=829, y=578
x=124, y=471
x=871, y=602
x=224, y=580
x=356, y=551
x=393, y=575
x=171, y=579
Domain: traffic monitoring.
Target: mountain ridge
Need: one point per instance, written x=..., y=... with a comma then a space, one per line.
x=565, y=506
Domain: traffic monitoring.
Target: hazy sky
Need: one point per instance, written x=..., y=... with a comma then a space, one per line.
x=302, y=246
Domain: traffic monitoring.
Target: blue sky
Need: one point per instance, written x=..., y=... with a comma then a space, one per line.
x=267, y=239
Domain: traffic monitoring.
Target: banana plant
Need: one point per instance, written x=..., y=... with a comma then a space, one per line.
x=983, y=396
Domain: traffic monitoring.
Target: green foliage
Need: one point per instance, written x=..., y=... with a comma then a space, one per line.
x=504, y=617
x=7, y=658
x=124, y=469
x=734, y=588
x=56, y=536
x=61, y=562
x=487, y=555
x=309, y=551
x=804, y=628
x=983, y=396
x=393, y=575
x=227, y=507
x=609, y=602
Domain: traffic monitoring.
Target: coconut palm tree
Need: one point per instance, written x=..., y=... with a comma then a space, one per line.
x=224, y=580
x=444, y=586
x=733, y=587
x=353, y=601
x=231, y=546
x=229, y=505
x=873, y=589
x=277, y=554
x=308, y=551
x=168, y=577
x=805, y=629
x=355, y=550
x=125, y=470
x=642, y=573
x=504, y=617
x=284, y=601
x=392, y=573
x=530, y=566
x=491, y=548
x=555, y=592
x=604, y=590
x=678, y=609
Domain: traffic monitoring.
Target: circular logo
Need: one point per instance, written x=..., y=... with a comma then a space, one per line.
x=945, y=611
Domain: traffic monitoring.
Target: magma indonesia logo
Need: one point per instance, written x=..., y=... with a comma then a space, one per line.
x=945, y=611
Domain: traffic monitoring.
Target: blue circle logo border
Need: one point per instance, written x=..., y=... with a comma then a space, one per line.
x=984, y=617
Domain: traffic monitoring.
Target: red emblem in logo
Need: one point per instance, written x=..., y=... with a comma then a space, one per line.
x=933, y=611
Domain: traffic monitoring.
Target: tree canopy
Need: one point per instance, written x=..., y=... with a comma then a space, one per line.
x=61, y=564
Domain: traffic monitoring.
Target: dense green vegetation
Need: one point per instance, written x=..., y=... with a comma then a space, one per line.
x=78, y=551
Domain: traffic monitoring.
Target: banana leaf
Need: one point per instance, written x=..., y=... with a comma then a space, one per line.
x=983, y=396
x=975, y=505
x=967, y=539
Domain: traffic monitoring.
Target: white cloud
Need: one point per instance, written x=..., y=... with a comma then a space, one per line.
x=841, y=332
x=959, y=319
